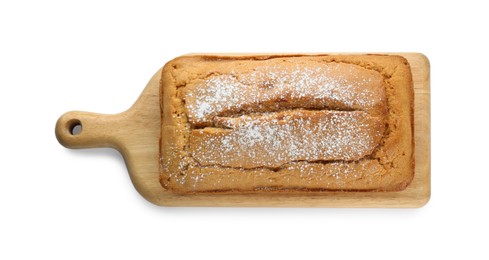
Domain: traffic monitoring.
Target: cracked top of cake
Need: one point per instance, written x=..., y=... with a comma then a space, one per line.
x=286, y=123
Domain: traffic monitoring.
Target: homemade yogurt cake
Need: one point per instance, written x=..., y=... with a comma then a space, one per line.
x=288, y=123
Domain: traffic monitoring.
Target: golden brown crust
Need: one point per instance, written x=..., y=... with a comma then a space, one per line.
x=189, y=129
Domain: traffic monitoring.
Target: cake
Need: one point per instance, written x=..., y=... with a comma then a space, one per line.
x=286, y=123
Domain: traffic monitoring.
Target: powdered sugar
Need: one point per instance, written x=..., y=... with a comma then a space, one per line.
x=270, y=88
x=312, y=120
x=279, y=138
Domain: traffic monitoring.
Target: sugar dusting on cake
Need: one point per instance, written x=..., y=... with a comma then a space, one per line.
x=281, y=86
x=275, y=139
x=246, y=108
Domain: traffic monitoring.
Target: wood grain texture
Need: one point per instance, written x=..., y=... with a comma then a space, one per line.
x=135, y=133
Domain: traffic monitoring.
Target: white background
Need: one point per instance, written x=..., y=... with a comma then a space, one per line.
x=97, y=56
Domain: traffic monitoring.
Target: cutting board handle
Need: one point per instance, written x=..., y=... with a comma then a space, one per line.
x=77, y=129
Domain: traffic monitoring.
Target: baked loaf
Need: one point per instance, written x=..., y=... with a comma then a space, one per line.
x=289, y=123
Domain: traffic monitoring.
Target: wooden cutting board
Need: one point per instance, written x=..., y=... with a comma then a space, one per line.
x=135, y=133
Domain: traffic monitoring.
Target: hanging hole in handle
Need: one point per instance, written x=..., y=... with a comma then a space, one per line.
x=75, y=127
